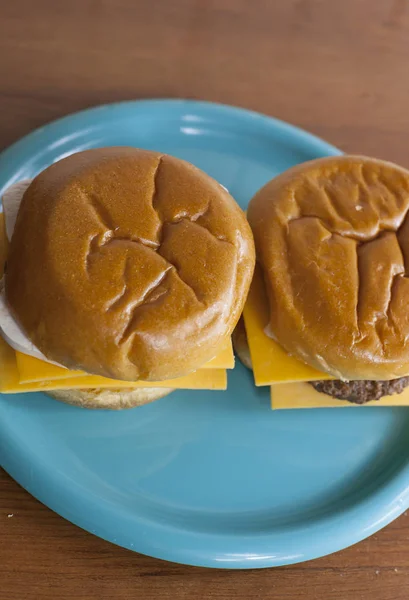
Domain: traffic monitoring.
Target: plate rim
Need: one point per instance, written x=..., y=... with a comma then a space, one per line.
x=365, y=517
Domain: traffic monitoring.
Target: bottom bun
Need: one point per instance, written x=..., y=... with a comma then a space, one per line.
x=240, y=344
x=110, y=398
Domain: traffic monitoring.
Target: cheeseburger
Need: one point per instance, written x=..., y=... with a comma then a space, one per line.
x=327, y=315
x=125, y=274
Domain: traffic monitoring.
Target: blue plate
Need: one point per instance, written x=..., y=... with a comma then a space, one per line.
x=204, y=478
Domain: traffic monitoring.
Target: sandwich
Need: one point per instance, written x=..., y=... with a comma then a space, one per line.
x=327, y=320
x=125, y=272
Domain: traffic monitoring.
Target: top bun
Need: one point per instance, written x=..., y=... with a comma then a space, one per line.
x=332, y=237
x=129, y=264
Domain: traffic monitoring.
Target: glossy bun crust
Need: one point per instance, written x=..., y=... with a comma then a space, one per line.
x=128, y=264
x=332, y=237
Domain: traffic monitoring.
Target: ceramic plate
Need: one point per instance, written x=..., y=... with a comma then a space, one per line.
x=204, y=478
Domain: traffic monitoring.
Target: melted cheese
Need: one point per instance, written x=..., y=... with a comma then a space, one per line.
x=303, y=395
x=271, y=364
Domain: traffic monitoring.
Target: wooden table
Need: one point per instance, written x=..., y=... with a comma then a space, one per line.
x=339, y=69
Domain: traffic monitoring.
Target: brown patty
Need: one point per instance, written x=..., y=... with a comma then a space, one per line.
x=360, y=392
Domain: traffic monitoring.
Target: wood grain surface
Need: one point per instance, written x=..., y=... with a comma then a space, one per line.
x=337, y=68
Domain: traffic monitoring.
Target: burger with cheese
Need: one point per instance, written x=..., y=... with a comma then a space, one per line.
x=125, y=274
x=327, y=316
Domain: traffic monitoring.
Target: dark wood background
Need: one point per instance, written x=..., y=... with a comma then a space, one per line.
x=337, y=68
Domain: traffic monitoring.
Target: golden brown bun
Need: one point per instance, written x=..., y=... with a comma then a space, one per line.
x=240, y=344
x=112, y=399
x=128, y=264
x=332, y=237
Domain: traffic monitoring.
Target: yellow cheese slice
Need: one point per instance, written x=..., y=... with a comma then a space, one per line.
x=208, y=379
x=32, y=369
x=224, y=358
x=303, y=395
x=271, y=364
x=9, y=375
